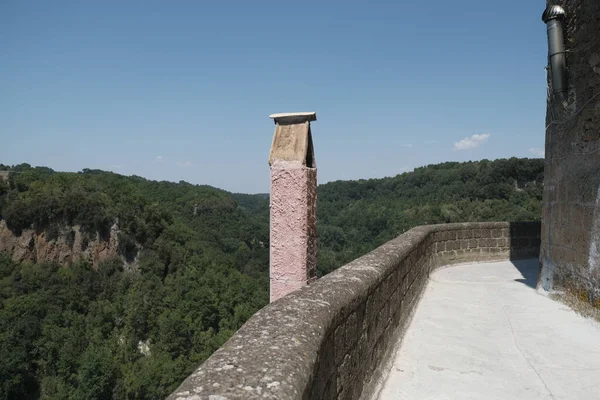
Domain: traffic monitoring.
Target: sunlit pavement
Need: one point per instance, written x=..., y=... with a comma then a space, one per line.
x=481, y=331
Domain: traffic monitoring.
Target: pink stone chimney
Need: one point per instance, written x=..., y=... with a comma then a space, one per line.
x=293, y=253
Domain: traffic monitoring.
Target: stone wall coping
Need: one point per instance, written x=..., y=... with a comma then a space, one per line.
x=276, y=352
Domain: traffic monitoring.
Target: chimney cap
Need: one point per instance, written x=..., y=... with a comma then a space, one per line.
x=294, y=118
x=553, y=12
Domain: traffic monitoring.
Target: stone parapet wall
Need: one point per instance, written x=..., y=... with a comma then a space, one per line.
x=326, y=340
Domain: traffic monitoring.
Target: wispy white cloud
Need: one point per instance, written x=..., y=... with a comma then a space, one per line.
x=471, y=142
x=537, y=151
x=184, y=164
x=159, y=159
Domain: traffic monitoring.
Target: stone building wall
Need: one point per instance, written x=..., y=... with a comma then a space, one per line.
x=570, y=251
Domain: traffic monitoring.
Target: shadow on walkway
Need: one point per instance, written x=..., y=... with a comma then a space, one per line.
x=529, y=269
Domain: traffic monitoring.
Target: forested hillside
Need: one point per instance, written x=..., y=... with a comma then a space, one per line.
x=197, y=265
x=356, y=216
x=74, y=332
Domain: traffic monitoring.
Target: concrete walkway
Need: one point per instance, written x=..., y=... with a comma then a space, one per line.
x=483, y=332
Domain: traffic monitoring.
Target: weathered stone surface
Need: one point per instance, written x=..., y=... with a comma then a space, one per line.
x=293, y=249
x=293, y=233
x=570, y=241
x=69, y=246
x=292, y=142
x=326, y=340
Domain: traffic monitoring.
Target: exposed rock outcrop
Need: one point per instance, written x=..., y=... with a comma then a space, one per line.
x=69, y=246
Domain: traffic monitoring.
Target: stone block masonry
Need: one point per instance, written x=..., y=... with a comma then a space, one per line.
x=570, y=250
x=327, y=340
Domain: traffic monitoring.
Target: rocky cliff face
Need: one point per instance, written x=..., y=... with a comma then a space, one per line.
x=70, y=245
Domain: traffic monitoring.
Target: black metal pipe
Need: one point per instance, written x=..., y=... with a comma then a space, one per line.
x=553, y=18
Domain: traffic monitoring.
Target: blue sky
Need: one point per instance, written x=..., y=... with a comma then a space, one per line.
x=182, y=90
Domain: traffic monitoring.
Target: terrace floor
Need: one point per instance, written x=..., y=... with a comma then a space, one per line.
x=481, y=331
